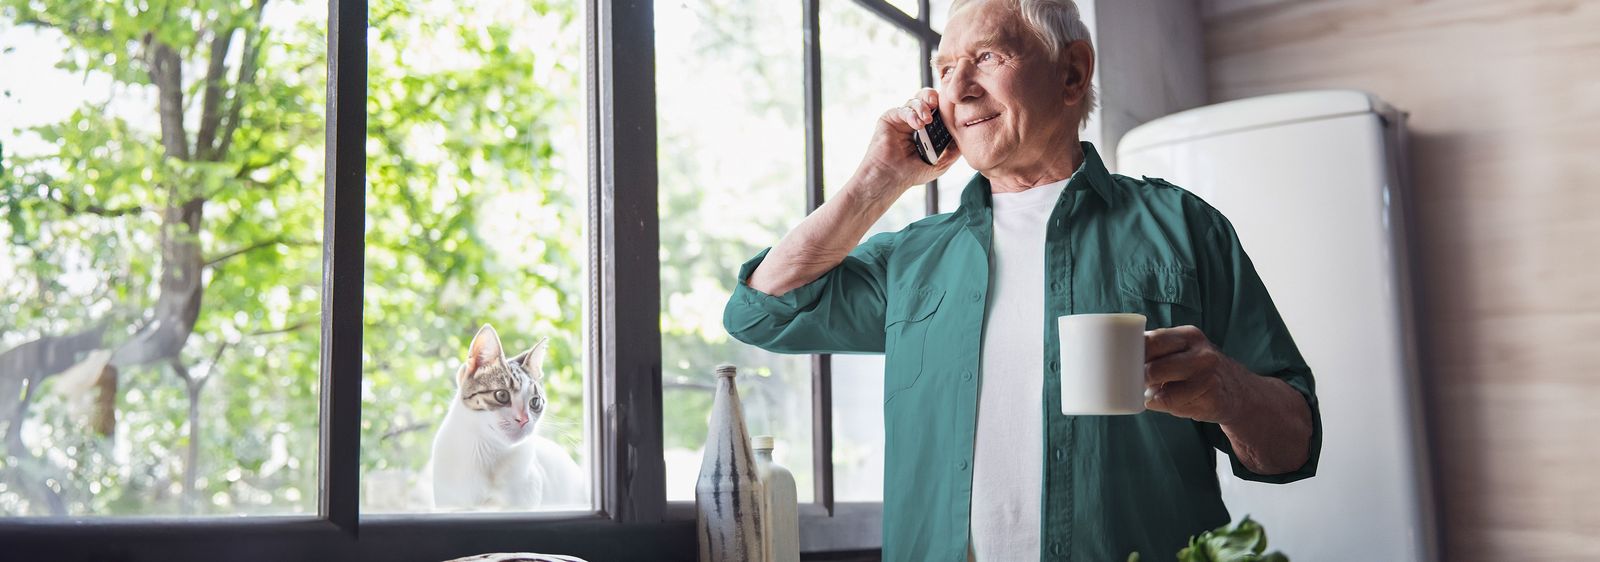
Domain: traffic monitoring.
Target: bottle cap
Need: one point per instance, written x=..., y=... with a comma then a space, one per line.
x=761, y=442
x=727, y=370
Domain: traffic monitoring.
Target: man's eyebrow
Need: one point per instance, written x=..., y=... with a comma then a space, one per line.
x=979, y=45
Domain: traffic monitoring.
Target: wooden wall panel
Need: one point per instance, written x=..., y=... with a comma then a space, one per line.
x=1504, y=100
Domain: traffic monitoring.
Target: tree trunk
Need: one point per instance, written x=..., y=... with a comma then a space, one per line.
x=191, y=460
x=24, y=367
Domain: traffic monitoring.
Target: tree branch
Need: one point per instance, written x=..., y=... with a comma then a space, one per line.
x=30, y=364
x=96, y=209
x=280, y=240
x=247, y=77
x=166, y=72
x=210, y=114
x=284, y=330
x=404, y=429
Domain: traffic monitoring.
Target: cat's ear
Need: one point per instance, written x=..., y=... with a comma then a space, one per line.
x=485, y=349
x=531, y=359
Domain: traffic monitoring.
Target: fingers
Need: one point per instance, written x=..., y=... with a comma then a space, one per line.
x=1166, y=341
x=1178, y=367
x=1179, y=396
x=913, y=117
x=921, y=106
x=902, y=120
x=925, y=101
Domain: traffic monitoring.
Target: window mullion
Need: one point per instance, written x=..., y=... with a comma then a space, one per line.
x=821, y=365
x=917, y=26
x=344, y=254
x=628, y=362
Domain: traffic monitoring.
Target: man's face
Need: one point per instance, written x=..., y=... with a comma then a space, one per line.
x=1004, y=101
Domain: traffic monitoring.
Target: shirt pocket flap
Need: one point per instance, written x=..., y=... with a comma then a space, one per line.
x=915, y=307
x=1168, y=284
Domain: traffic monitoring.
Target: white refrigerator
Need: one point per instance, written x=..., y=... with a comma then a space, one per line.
x=1314, y=183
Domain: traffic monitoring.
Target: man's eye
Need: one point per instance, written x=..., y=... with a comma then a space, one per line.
x=987, y=57
x=944, y=71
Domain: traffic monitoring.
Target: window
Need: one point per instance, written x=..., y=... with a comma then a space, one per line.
x=732, y=163
x=782, y=102
x=476, y=212
x=162, y=259
x=302, y=262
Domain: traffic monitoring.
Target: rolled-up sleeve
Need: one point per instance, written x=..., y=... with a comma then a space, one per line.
x=1240, y=318
x=840, y=312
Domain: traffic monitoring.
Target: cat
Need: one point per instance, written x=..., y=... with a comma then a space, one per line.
x=485, y=454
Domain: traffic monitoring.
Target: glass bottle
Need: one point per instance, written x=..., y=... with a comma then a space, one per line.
x=780, y=504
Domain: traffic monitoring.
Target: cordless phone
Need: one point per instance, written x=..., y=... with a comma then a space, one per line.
x=931, y=140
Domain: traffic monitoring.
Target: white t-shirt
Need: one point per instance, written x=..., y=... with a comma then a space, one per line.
x=1009, y=457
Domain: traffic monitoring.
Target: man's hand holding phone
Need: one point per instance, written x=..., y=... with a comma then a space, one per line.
x=892, y=163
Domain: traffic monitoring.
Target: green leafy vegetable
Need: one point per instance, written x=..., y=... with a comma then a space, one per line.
x=1242, y=542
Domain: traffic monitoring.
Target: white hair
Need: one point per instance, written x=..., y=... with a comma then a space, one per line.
x=1057, y=23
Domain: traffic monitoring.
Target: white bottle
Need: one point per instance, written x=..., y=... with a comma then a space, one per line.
x=727, y=496
x=780, y=505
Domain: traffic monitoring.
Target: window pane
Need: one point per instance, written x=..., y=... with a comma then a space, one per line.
x=938, y=14
x=952, y=183
x=477, y=171
x=858, y=428
x=907, y=6
x=868, y=66
x=732, y=143
x=162, y=264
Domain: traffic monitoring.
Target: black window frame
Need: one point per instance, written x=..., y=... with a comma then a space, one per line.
x=632, y=519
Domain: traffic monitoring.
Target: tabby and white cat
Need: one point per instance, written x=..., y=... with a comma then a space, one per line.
x=485, y=454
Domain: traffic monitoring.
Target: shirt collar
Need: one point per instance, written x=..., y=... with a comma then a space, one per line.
x=1091, y=175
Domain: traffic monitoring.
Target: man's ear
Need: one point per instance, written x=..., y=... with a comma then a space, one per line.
x=1077, y=72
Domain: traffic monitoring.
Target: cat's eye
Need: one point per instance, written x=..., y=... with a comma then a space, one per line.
x=536, y=403
x=502, y=396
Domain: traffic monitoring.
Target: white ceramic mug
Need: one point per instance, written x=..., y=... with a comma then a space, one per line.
x=1102, y=363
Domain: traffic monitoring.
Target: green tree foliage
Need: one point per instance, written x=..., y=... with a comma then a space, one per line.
x=181, y=237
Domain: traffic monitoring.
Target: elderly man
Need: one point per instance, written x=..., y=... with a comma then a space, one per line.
x=980, y=463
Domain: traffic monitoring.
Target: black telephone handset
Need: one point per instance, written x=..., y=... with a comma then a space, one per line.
x=931, y=140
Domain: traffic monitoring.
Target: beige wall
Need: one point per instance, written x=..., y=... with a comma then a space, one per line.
x=1504, y=98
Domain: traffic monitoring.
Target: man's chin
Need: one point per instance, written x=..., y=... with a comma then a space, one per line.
x=979, y=159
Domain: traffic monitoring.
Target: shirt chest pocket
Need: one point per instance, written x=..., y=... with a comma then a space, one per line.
x=1166, y=295
x=905, y=338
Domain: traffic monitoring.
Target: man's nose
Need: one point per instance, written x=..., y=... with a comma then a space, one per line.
x=961, y=85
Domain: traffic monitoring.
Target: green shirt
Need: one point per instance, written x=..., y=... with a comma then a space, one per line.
x=1112, y=484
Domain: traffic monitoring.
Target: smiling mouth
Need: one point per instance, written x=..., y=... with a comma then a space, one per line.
x=979, y=120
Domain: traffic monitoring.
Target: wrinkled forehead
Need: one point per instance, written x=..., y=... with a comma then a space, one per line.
x=980, y=26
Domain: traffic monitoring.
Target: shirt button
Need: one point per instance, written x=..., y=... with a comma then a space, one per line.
x=976, y=295
x=1055, y=548
x=966, y=375
x=962, y=465
x=1054, y=365
x=1055, y=286
x=1061, y=454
